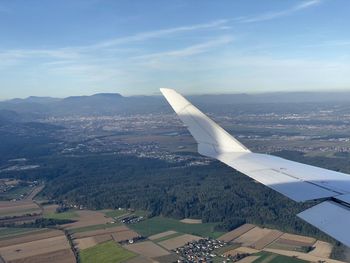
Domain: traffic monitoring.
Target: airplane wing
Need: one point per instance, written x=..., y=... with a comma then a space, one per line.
x=299, y=182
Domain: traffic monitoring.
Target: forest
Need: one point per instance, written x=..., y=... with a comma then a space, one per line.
x=214, y=193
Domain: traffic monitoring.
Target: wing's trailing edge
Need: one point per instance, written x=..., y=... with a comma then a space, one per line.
x=299, y=182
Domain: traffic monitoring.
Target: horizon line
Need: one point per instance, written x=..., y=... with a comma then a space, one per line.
x=156, y=94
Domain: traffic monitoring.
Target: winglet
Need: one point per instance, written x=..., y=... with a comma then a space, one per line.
x=211, y=138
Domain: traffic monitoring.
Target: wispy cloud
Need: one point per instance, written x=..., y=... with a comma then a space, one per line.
x=109, y=45
x=105, y=62
x=277, y=14
x=217, y=24
x=190, y=50
x=76, y=52
x=330, y=43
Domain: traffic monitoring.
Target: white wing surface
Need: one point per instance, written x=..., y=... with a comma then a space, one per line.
x=299, y=182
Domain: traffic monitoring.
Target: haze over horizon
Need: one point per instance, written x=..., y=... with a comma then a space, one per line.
x=66, y=48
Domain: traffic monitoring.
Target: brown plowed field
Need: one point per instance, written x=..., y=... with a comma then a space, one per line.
x=296, y=240
x=268, y=239
x=124, y=235
x=236, y=232
x=250, y=237
x=60, y=256
x=147, y=249
x=29, y=237
x=9, y=208
x=101, y=231
x=88, y=218
x=33, y=248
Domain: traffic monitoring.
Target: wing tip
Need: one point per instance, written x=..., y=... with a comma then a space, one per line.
x=166, y=90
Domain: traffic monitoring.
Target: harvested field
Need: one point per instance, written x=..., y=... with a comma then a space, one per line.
x=49, y=209
x=124, y=235
x=86, y=242
x=267, y=257
x=91, y=228
x=88, y=218
x=322, y=249
x=101, y=232
x=31, y=236
x=276, y=245
x=17, y=204
x=267, y=239
x=302, y=256
x=161, y=235
x=34, y=248
x=60, y=256
x=296, y=240
x=9, y=208
x=191, y=221
x=102, y=238
x=140, y=259
x=248, y=259
x=118, y=234
x=147, y=249
x=241, y=250
x=178, y=241
x=253, y=235
x=236, y=233
x=167, y=259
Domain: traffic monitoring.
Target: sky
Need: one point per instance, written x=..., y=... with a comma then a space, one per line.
x=134, y=47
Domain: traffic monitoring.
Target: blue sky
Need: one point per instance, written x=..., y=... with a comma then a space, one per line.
x=75, y=47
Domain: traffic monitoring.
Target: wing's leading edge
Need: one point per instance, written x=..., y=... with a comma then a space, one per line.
x=210, y=136
x=299, y=182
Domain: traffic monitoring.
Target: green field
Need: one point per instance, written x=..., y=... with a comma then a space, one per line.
x=282, y=246
x=116, y=213
x=15, y=193
x=167, y=237
x=63, y=215
x=266, y=257
x=91, y=228
x=141, y=213
x=108, y=252
x=159, y=224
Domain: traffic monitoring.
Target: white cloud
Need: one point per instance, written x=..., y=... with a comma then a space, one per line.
x=277, y=14
x=160, y=33
x=70, y=53
x=191, y=50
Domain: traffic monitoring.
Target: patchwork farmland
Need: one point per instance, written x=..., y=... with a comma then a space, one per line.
x=101, y=236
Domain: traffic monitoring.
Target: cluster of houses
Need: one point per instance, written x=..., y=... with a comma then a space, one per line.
x=202, y=250
x=206, y=250
x=6, y=185
x=132, y=219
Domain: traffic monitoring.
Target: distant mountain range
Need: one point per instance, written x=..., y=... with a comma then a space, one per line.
x=114, y=103
x=274, y=97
